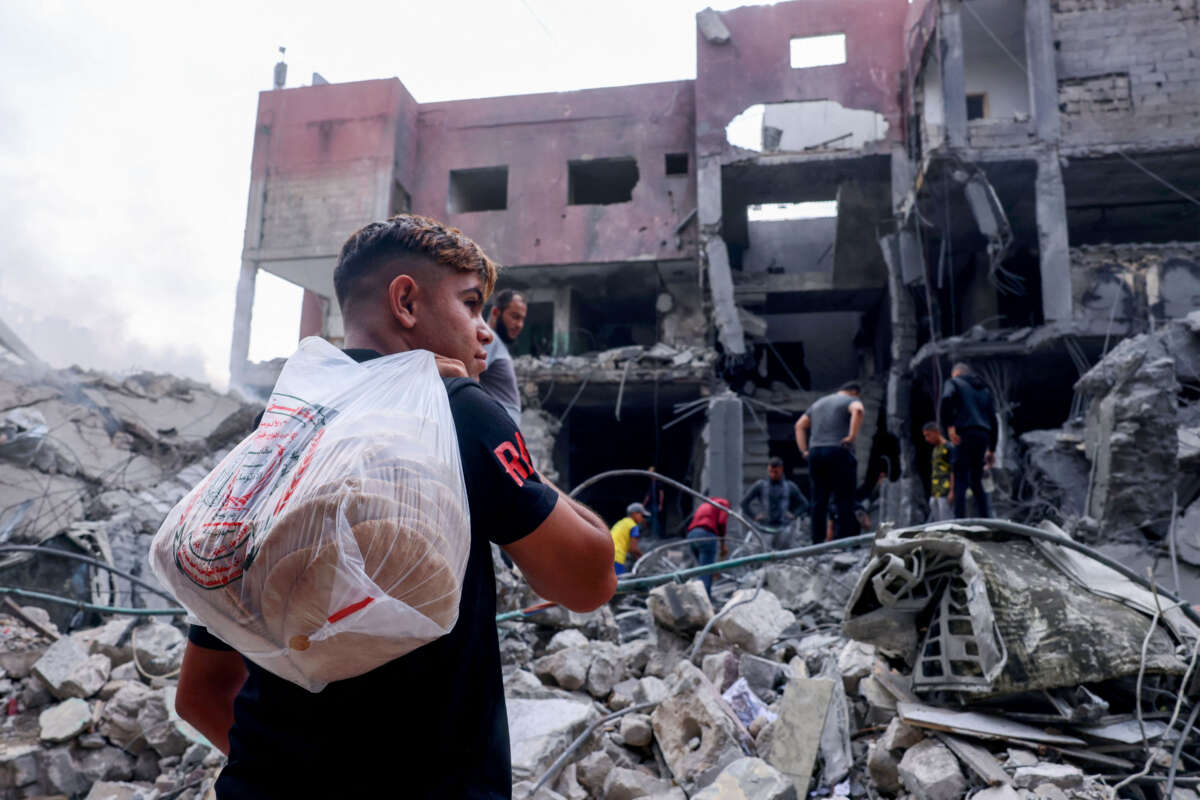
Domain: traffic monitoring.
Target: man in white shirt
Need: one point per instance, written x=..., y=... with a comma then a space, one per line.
x=506, y=320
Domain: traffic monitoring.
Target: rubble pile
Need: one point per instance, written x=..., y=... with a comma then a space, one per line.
x=942, y=664
x=1114, y=475
x=633, y=362
x=91, y=714
x=92, y=463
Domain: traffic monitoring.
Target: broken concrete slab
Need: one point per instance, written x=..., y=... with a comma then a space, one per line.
x=711, y=27
x=566, y=668
x=65, y=721
x=117, y=790
x=539, y=730
x=683, y=608
x=929, y=771
x=749, y=779
x=159, y=647
x=855, y=662
x=697, y=736
x=1064, y=776
x=795, y=738
x=899, y=736
x=753, y=619
x=67, y=670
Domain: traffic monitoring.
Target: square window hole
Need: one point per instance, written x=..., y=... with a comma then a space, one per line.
x=480, y=189
x=601, y=181
x=677, y=163
x=818, y=51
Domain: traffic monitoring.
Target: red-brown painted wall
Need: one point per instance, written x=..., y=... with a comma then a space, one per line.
x=535, y=136
x=755, y=67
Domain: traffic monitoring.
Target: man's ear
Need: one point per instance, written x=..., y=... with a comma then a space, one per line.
x=493, y=316
x=402, y=296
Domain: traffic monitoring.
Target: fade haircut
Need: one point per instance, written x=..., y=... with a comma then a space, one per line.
x=406, y=236
x=962, y=367
x=850, y=386
x=931, y=426
x=775, y=461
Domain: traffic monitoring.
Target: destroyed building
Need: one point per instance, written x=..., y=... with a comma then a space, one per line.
x=848, y=189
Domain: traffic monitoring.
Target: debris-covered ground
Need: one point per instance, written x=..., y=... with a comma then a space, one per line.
x=931, y=664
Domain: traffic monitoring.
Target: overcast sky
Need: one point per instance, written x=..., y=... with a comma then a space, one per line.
x=126, y=130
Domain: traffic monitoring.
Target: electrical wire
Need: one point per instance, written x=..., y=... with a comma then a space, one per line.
x=1175, y=756
x=95, y=562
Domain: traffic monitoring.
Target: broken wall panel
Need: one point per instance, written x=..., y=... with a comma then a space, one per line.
x=1128, y=71
x=587, y=176
x=1132, y=283
x=756, y=67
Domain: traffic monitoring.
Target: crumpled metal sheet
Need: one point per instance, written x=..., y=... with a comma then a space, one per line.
x=1053, y=630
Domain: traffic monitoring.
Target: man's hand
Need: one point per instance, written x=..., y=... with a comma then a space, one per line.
x=804, y=453
x=724, y=551
x=989, y=458
x=450, y=367
x=848, y=441
x=955, y=439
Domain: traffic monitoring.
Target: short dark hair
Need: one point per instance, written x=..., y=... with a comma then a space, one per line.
x=371, y=246
x=931, y=426
x=850, y=386
x=504, y=298
x=775, y=461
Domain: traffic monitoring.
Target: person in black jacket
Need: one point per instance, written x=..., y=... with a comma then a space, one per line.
x=969, y=414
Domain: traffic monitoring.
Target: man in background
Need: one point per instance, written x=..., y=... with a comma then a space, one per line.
x=774, y=499
x=625, y=535
x=706, y=532
x=825, y=435
x=941, y=479
x=506, y=319
x=969, y=413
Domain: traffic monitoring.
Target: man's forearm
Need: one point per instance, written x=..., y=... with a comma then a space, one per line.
x=856, y=421
x=580, y=509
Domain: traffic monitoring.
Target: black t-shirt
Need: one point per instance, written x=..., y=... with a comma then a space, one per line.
x=432, y=723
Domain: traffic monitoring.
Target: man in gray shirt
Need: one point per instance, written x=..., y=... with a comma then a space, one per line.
x=499, y=380
x=825, y=435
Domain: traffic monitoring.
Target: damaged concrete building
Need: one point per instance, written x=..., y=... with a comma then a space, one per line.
x=849, y=189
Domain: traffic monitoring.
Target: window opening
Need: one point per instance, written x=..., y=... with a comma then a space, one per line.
x=818, y=51
x=601, y=181
x=677, y=163
x=480, y=189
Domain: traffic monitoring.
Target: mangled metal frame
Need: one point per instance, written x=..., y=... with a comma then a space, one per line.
x=933, y=576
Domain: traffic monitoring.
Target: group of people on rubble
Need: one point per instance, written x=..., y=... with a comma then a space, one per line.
x=825, y=435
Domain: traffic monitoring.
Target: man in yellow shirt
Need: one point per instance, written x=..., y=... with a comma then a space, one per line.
x=625, y=535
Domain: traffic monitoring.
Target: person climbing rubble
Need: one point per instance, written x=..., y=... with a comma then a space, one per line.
x=969, y=414
x=506, y=320
x=406, y=284
x=706, y=532
x=625, y=534
x=825, y=435
x=775, y=500
x=941, y=478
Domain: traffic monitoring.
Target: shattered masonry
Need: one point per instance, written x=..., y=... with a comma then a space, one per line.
x=1015, y=184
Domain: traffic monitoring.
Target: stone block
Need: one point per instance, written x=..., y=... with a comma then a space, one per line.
x=753, y=621
x=697, y=737
x=855, y=662
x=1064, y=776
x=566, y=639
x=65, y=721
x=18, y=763
x=680, y=607
x=900, y=736
x=628, y=784
x=159, y=647
x=636, y=730
x=539, y=730
x=721, y=669
x=884, y=768
x=749, y=779
x=67, y=670
x=791, y=744
x=929, y=771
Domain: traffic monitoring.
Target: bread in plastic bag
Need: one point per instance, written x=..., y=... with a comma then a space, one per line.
x=335, y=537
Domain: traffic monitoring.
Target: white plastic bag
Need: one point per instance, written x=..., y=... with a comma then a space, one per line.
x=333, y=539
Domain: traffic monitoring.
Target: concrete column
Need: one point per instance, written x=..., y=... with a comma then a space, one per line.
x=1055, y=263
x=1043, y=73
x=715, y=256
x=243, y=313
x=954, y=78
x=564, y=319
x=725, y=452
x=312, y=315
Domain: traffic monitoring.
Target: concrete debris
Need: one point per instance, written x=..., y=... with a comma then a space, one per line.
x=680, y=607
x=749, y=779
x=539, y=730
x=628, y=784
x=711, y=27
x=930, y=771
x=159, y=648
x=636, y=730
x=697, y=736
x=1064, y=776
x=753, y=619
x=64, y=721
x=67, y=670
x=795, y=739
